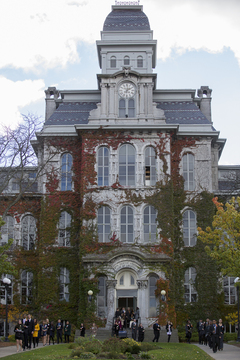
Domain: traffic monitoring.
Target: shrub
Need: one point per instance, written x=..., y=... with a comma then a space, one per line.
x=11, y=338
x=114, y=345
x=129, y=356
x=73, y=346
x=87, y=355
x=75, y=353
x=113, y=355
x=230, y=337
x=144, y=355
x=147, y=346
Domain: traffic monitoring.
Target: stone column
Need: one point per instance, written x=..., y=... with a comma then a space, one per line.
x=112, y=100
x=110, y=302
x=103, y=100
x=143, y=300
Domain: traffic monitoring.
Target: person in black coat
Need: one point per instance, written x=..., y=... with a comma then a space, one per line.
x=82, y=330
x=25, y=332
x=169, y=329
x=134, y=329
x=156, y=331
x=140, y=333
x=19, y=330
x=188, y=329
x=215, y=335
x=30, y=327
x=51, y=332
x=59, y=328
x=221, y=333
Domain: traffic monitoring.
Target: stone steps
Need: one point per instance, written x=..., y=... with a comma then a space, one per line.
x=103, y=334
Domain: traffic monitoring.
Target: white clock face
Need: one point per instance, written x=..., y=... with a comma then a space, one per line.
x=126, y=90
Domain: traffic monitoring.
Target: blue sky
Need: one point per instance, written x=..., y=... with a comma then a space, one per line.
x=52, y=43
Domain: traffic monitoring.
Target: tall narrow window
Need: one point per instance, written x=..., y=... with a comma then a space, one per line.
x=122, y=108
x=66, y=172
x=64, y=229
x=189, y=290
x=131, y=108
x=7, y=230
x=113, y=62
x=230, y=291
x=188, y=172
x=64, y=281
x=2, y=290
x=27, y=287
x=127, y=234
x=150, y=166
x=127, y=165
x=103, y=166
x=149, y=224
x=102, y=297
x=152, y=296
x=28, y=232
x=104, y=224
x=139, y=61
x=189, y=228
x=126, y=60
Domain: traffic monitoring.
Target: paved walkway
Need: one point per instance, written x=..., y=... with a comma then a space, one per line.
x=229, y=352
x=11, y=350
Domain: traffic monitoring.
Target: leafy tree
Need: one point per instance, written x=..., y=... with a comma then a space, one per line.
x=223, y=238
x=6, y=266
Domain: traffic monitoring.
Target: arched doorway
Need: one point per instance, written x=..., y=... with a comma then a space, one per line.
x=126, y=289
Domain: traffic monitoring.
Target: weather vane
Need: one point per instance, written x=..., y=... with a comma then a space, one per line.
x=127, y=2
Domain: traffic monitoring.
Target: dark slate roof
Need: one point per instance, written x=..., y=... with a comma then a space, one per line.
x=182, y=112
x=71, y=113
x=125, y=20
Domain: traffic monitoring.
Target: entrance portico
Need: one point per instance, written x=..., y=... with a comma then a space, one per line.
x=129, y=280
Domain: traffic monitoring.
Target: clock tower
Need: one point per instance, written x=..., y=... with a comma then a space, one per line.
x=127, y=57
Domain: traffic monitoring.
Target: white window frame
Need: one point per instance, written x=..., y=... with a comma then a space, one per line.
x=104, y=235
x=126, y=236
x=64, y=282
x=29, y=236
x=150, y=175
x=65, y=230
x=113, y=62
x=230, y=291
x=103, y=166
x=149, y=227
x=28, y=287
x=126, y=60
x=140, y=61
x=129, y=178
x=190, y=293
x=188, y=161
x=189, y=229
x=7, y=230
x=66, y=172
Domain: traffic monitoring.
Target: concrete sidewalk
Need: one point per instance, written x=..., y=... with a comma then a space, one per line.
x=229, y=352
x=12, y=350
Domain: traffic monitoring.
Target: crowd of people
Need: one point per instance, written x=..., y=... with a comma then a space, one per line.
x=28, y=331
x=210, y=333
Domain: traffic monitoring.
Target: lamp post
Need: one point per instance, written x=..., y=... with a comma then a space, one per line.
x=163, y=297
x=6, y=283
x=90, y=293
x=237, y=282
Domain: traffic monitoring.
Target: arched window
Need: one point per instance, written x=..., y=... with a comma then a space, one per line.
x=113, y=62
x=26, y=287
x=190, y=293
x=139, y=61
x=126, y=60
x=66, y=172
x=7, y=230
x=127, y=165
x=103, y=166
x=28, y=232
x=230, y=290
x=150, y=166
x=152, y=296
x=122, y=108
x=102, y=297
x=189, y=228
x=127, y=230
x=64, y=226
x=104, y=224
x=64, y=281
x=126, y=108
x=131, y=108
x=149, y=224
x=188, y=172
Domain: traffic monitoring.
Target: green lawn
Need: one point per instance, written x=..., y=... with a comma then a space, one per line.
x=168, y=352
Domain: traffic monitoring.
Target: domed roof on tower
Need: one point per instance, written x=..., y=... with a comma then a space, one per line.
x=126, y=18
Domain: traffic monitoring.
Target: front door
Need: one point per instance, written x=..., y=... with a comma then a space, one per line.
x=126, y=302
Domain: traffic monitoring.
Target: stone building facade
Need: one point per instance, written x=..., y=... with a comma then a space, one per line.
x=149, y=121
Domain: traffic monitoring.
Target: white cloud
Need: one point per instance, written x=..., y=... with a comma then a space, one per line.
x=15, y=96
x=45, y=34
